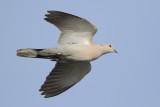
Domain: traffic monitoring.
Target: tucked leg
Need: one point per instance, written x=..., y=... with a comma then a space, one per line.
x=56, y=57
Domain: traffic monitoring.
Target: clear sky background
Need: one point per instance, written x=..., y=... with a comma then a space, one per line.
x=130, y=78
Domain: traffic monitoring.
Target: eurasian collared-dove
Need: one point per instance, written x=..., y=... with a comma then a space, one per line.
x=73, y=56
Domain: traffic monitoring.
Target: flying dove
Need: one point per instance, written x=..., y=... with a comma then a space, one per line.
x=74, y=54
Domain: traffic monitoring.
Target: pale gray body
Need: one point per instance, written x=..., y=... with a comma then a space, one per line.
x=77, y=52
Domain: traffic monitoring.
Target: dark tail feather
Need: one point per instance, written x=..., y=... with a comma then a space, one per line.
x=30, y=53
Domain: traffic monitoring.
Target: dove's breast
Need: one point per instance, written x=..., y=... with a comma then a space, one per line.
x=82, y=52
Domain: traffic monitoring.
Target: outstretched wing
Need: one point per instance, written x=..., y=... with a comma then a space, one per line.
x=74, y=30
x=63, y=76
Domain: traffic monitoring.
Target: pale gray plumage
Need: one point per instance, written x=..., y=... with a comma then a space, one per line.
x=73, y=56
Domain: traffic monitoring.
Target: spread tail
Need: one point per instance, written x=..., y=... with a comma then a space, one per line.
x=30, y=53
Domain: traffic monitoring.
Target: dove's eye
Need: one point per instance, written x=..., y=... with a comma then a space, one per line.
x=110, y=46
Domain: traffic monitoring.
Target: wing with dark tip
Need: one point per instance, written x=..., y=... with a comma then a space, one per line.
x=63, y=76
x=74, y=30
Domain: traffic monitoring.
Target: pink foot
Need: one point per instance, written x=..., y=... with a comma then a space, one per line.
x=58, y=53
x=55, y=59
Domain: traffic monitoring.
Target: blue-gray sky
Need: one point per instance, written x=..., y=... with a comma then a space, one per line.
x=130, y=78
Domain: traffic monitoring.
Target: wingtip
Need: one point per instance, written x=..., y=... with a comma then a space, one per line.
x=56, y=12
x=41, y=89
x=48, y=96
x=47, y=15
x=43, y=93
x=49, y=11
x=46, y=19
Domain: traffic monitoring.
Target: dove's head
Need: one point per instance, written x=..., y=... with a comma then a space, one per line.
x=108, y=48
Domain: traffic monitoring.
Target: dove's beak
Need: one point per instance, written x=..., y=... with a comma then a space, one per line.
x=115, y=51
